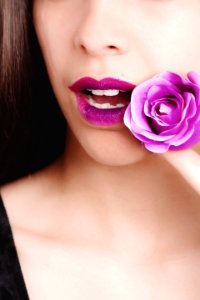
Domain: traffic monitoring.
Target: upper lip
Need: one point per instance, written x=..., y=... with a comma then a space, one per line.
x=89, y=83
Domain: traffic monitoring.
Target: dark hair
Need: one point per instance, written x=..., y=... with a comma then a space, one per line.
x=32, y=127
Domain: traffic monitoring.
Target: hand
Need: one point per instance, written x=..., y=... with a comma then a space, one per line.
x=187, y=163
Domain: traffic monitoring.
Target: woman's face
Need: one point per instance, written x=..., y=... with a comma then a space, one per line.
x=96, y=51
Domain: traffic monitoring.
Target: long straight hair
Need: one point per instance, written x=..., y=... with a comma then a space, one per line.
x=32, y=127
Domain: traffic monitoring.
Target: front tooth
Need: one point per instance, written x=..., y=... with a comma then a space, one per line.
x=104, y=92
x=111, y=93
x=97, y=92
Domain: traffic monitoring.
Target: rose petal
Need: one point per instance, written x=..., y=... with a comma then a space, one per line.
x=161, y=90
x=127, y=117
x=137, y=111
x=194, y=77
x=157, y=147
x=172, y=77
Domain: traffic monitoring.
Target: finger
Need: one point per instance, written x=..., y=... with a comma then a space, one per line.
x=187, y=163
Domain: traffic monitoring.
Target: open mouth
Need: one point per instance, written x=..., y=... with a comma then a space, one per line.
x=103, y=102
x=107, y=99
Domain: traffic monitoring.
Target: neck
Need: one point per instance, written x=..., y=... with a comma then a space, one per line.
x=114, y=203
x=137, y=186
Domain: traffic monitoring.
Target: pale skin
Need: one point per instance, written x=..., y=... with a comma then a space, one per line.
x=109, y=220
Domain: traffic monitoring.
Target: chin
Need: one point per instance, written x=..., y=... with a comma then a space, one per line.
x=112, y=148
x=117, y=157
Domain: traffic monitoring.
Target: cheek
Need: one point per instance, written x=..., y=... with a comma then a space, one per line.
x=171, y=39
x=53, y=54
x=52, y=40
x=56, y=58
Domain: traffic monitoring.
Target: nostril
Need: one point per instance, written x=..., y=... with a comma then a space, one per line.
x=83, y=47
x=97, y=48
x=112, y=47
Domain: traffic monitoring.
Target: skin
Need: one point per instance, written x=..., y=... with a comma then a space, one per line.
x=109, y=220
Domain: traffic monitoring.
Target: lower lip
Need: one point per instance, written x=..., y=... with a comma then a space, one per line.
x=99, y=117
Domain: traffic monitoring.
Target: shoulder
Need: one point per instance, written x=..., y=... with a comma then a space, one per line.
x=28, y=200
x=21, y=197
x=25, y=189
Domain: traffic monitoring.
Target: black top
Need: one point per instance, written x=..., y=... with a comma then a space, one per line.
x=12, y=285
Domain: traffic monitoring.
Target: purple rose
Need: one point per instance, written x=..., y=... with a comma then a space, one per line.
x=164, y=112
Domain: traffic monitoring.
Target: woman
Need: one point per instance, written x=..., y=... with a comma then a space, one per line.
x=107, y=219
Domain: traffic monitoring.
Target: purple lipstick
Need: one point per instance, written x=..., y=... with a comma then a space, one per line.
x=102, y=103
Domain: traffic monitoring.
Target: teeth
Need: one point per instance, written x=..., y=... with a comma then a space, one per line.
x=103, y=105
x=120, y=105
x=104, y=92
x=111, y=93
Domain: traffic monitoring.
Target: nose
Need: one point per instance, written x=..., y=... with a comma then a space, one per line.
x=99, y=31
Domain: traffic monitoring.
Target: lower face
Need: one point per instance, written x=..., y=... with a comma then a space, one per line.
x=97, y=52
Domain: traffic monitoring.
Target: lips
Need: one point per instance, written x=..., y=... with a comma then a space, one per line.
x=102, y=102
